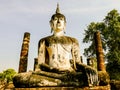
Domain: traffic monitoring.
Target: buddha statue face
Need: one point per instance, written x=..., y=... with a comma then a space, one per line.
x=58, y=23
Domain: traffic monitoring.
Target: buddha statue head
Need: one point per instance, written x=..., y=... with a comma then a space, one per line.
x=58, y=21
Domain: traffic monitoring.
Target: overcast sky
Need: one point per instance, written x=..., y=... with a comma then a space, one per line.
x=20, y=16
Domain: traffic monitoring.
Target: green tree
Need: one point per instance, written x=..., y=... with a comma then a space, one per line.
x=7, y=75
x=110, y=35
x=1, y=76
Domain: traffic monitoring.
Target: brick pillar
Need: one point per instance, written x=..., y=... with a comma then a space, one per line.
x=35, y=64
x=92, y=62
x=24, y=53
x=99, y=52
x=81, y=59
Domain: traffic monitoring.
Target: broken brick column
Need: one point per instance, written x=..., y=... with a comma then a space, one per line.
x=99, y=52
x=35, y=63
x=92, y=62
x=24, y=53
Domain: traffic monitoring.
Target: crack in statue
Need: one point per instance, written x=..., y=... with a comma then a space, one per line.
x=55, y=67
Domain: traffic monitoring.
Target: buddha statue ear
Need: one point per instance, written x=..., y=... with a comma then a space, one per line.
x=51, y=25
x=64, y=28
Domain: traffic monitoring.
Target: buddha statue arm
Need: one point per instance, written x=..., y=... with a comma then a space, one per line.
x=42, y=57
x=75, y=53
x=89, y=72
x=41, y=52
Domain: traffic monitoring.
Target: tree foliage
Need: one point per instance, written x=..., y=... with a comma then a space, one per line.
x=89, y=37
x=110, y=35
x=7, y=75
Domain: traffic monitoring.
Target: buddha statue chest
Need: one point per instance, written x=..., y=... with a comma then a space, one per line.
x=58, y=51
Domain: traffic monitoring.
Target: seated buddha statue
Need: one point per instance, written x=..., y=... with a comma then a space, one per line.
x=59, y=62
x=60, y=53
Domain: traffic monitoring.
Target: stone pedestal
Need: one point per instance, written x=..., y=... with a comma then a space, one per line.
x=67, y=88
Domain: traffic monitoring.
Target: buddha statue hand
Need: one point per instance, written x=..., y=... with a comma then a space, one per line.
x=90, y=72
x=47, y=68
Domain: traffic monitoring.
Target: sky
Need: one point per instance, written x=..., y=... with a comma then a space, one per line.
x=33, y=16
